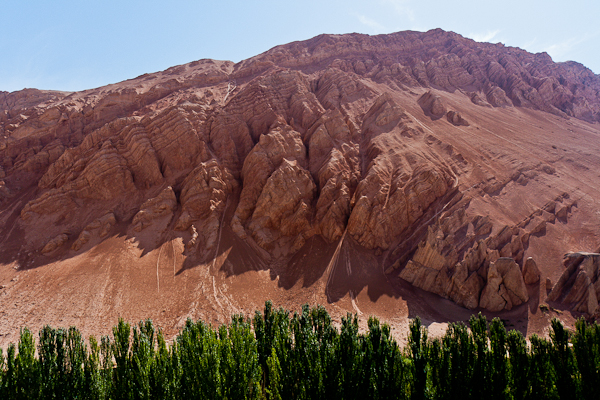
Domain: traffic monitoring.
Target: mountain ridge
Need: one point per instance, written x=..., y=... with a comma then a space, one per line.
x=332, y=170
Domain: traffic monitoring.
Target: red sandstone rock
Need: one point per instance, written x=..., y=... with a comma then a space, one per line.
x=531, y=272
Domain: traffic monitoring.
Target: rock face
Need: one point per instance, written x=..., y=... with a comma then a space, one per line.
x=455, y=118
x=55, y=243
x=100, y=227
x=432, y=105
x=456, y=257
x=505, y=286
x=579, y=285
x=531, y=272
x=156, y=208
x=341, y=140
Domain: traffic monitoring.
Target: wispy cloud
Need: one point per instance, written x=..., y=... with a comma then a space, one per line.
x=561, y=49
x=530, y=44
x=371, y=23
x=484, y=36
x=402, y=8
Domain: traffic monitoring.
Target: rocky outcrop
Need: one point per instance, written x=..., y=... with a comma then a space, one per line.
x=159, y=207
x=454, y=259
x=531, y=272
x=283, y=208
x=102, y=177
x=334, y=158
x=55, y=243
x=388, y=201
x=432, y=105
x=579, y=285
x=276, y=200
x=100, y=228
x=28, y=98
x=505, y=287
x=455, y=118
x=476, y=98
x=496, y=96
x=456, y=267
x=205, y=192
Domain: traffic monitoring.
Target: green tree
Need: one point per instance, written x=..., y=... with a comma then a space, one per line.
x=481, y=374
x=141, y=359
x=542, y=377
x=241, y=372
x=26, y=367
x=586, y=346
x=165, y=371
x=107, y=371
x=95, y=386
x=418, y=349
x=563, y=361
x=349, y=358
x=273, y=391
x=383, y=365
x=272, y=330
x=76, y=358
x=120, y=351
x=498, y=387
x=439, y=371
x=518, y=362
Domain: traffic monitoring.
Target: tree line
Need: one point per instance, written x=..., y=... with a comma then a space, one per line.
x=279, y=355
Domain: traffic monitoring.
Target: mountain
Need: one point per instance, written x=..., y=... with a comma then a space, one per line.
x=395, y=175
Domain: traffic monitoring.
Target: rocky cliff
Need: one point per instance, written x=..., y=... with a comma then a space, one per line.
x=413, y=157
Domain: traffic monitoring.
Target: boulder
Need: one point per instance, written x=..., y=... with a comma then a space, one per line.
x=455, y=118
x=55, y=243
x=531, y=272
x=432, y=105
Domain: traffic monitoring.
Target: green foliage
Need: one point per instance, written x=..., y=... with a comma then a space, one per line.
x=480, y=376
x=518, y=365
x=586, y=348
x=273, y=391
x=303, y=356
x=95, y=386
x=26, y=368
x=418, y=349
x=120, y=351
x=241, y=371
x=165, y=371
x=542, y=376
x=563, y=361
x=498, y=387
x=384, y=368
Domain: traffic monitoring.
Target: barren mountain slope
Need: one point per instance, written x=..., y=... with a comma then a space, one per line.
x=396, y=175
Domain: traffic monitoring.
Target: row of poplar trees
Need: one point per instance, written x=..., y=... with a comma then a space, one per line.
x=304, y=356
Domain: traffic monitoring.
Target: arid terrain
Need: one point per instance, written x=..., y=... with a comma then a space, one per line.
x=402, y=175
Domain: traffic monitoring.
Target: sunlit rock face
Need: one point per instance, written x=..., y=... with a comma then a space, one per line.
x=450, y=162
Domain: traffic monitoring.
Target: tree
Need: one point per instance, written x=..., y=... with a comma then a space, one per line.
x=563, y=361
x=586, y=347
x=417, y=343
x=518, y=362
x=120, y=350
x=498, y=388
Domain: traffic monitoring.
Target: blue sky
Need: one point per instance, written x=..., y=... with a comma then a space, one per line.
x=75, y=45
